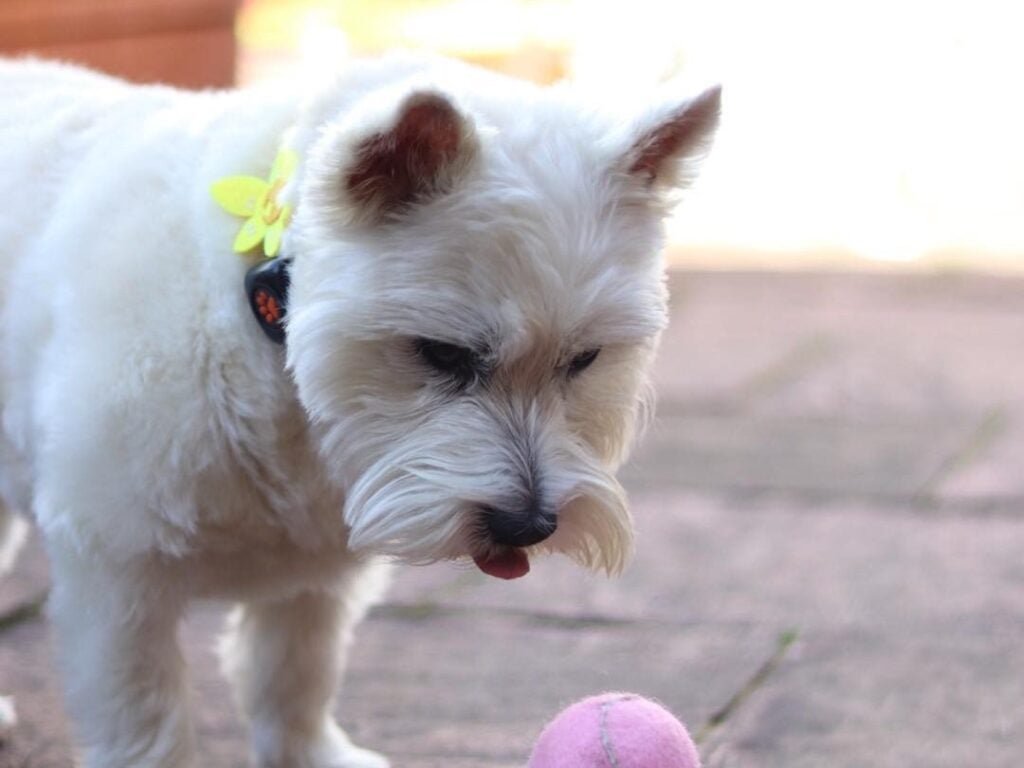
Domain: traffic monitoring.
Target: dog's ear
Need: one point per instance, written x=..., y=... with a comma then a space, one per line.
x=420, y=152
x=672, y=139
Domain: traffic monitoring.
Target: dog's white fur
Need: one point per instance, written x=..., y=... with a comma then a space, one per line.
x=170, y=451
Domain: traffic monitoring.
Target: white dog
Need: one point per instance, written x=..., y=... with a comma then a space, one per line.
x=472, y=290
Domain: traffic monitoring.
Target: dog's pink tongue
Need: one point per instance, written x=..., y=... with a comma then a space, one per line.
x=510, y=564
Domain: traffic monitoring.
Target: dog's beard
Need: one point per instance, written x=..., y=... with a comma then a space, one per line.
x=421, y=495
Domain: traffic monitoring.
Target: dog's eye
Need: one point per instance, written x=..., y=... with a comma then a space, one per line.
x=583, y=360
x=449, y=358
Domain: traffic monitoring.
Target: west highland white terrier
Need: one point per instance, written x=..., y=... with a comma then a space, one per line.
x=446, y=360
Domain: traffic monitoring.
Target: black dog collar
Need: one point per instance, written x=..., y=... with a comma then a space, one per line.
x=266, y=285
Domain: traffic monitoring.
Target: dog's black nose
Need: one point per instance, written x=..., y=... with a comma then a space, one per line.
x=522, y=528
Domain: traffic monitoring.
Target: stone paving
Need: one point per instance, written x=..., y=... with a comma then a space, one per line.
x=830, y=566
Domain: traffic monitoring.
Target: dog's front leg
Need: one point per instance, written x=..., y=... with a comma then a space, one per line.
x=122, y=668
x=285, y=659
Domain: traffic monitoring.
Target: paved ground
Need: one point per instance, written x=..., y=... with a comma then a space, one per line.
x=830, y=567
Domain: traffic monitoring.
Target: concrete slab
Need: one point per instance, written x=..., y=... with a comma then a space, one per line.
x=40, y=739
x=827, y=457
x=475, y=690
x=838, y=383
x=29, y=579
x=905, y=363
x=717, y=346
x=458, y=689
x=838, y=455
x=992, y=471
x=773, y=562
x=851, y=700
x=856, y=342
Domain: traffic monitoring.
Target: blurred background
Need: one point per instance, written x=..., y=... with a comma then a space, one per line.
x=830, y=503
x=875, y=134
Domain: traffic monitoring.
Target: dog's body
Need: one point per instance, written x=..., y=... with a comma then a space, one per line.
x=462, y=248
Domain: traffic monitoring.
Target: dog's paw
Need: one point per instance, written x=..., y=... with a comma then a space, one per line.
x=338, y=751
x=330, y=749
x=8, y=717
x=355, y=757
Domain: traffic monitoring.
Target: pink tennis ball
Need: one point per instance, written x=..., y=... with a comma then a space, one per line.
x=615, y=730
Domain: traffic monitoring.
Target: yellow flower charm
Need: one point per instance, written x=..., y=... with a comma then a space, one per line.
x=256, y=200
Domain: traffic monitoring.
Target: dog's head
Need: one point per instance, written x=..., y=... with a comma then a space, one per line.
x=476, y=296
